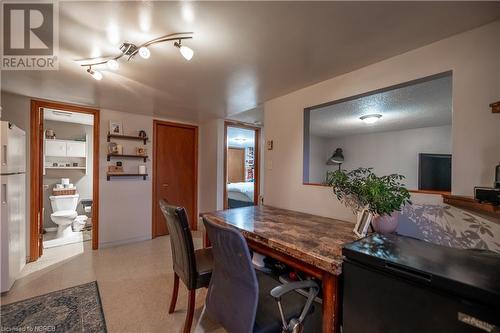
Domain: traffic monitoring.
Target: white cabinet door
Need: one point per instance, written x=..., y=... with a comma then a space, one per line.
x=55, y=148
x=75, y=149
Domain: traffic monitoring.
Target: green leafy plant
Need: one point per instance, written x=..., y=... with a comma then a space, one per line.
x=361, y=188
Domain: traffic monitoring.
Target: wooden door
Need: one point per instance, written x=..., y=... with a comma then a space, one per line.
x=235, y=165
x=175, y=171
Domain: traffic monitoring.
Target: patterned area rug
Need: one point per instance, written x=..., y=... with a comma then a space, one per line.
x=76, y=309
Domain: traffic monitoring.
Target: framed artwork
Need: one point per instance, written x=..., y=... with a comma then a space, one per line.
x=363, y=223
x=112, y=148
x=115, y=127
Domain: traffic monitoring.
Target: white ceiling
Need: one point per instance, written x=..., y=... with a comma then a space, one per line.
x=245, y=52
x=423, y=104
x=68, y=116
x=240, y=137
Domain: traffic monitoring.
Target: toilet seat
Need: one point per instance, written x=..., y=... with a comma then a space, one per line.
x=70, y=214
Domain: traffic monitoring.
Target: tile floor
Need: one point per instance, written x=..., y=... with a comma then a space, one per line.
x=134, y=281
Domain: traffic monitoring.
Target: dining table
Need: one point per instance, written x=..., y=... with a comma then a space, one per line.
x=307, y=243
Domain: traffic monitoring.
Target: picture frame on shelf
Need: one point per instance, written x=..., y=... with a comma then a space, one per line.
x=112, y=148
x=141, y=151
x=115, y=127
x=115, y=169
x=363, y=223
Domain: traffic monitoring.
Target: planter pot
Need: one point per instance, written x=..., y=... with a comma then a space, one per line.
x=386, y=224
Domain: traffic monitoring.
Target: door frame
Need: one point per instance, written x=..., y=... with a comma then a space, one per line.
x=256, y=192
x=36, y=171
x=194, y=218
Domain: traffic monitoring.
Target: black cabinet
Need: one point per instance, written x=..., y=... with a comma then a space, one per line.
x=399, y=284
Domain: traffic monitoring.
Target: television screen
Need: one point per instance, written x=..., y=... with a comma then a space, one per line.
x=434, y=172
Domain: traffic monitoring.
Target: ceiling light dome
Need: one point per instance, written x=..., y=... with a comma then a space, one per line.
x=371, y=118
x=113, y=64
x=144, y=52
x=186, y=52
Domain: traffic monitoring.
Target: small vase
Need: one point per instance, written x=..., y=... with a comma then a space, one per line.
x=386, y=224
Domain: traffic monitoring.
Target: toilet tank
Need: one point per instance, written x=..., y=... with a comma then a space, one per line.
x=63, y=202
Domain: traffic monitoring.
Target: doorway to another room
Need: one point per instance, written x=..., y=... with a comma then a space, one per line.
x=241, y=165
x=64, y=177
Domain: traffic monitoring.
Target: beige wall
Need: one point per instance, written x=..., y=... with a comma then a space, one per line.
x=124, y=204
x=474, y=59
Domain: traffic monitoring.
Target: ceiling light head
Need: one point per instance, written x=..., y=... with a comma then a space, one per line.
x=113, y=64
x=240, y=139
x=371, y=118
x=336, y=158
x=144, y=52
x=186, y=52
x=128, y=49
x=95, y=74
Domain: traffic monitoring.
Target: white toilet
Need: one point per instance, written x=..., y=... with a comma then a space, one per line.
x=64, y=213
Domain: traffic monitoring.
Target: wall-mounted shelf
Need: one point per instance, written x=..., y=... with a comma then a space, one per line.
x=67, y=168
x=109, y=175
x=127, y=137
x=472, y=204
x=145, y=157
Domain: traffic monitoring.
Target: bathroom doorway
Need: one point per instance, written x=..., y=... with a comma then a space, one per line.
x=64, y=176
x=241, y=165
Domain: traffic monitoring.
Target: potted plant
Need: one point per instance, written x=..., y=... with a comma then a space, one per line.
x=361, y=189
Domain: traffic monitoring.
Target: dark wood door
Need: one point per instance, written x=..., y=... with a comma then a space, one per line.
x=175, y=171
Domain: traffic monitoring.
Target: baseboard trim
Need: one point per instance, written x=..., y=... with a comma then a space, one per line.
x=103, y=245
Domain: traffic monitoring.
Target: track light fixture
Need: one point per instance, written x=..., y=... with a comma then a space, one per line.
x=95, y=74
x=129, y=50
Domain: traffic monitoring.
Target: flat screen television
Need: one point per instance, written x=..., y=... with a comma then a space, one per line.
x=434, y=172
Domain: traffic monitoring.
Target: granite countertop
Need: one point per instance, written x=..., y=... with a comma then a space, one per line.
x=313, y=239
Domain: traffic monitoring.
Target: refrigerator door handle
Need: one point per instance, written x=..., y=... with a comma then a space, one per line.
x=4, y=154
x=4, y=194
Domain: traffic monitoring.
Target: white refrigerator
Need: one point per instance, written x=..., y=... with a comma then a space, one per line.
x=12, y=203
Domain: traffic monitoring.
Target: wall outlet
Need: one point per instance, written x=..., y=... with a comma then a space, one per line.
x=269, y=144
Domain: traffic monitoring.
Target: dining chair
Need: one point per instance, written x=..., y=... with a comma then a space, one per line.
x=193, y=267
x=244, y=300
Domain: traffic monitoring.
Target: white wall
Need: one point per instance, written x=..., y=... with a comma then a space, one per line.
x=386, y=152
x=473, y=57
